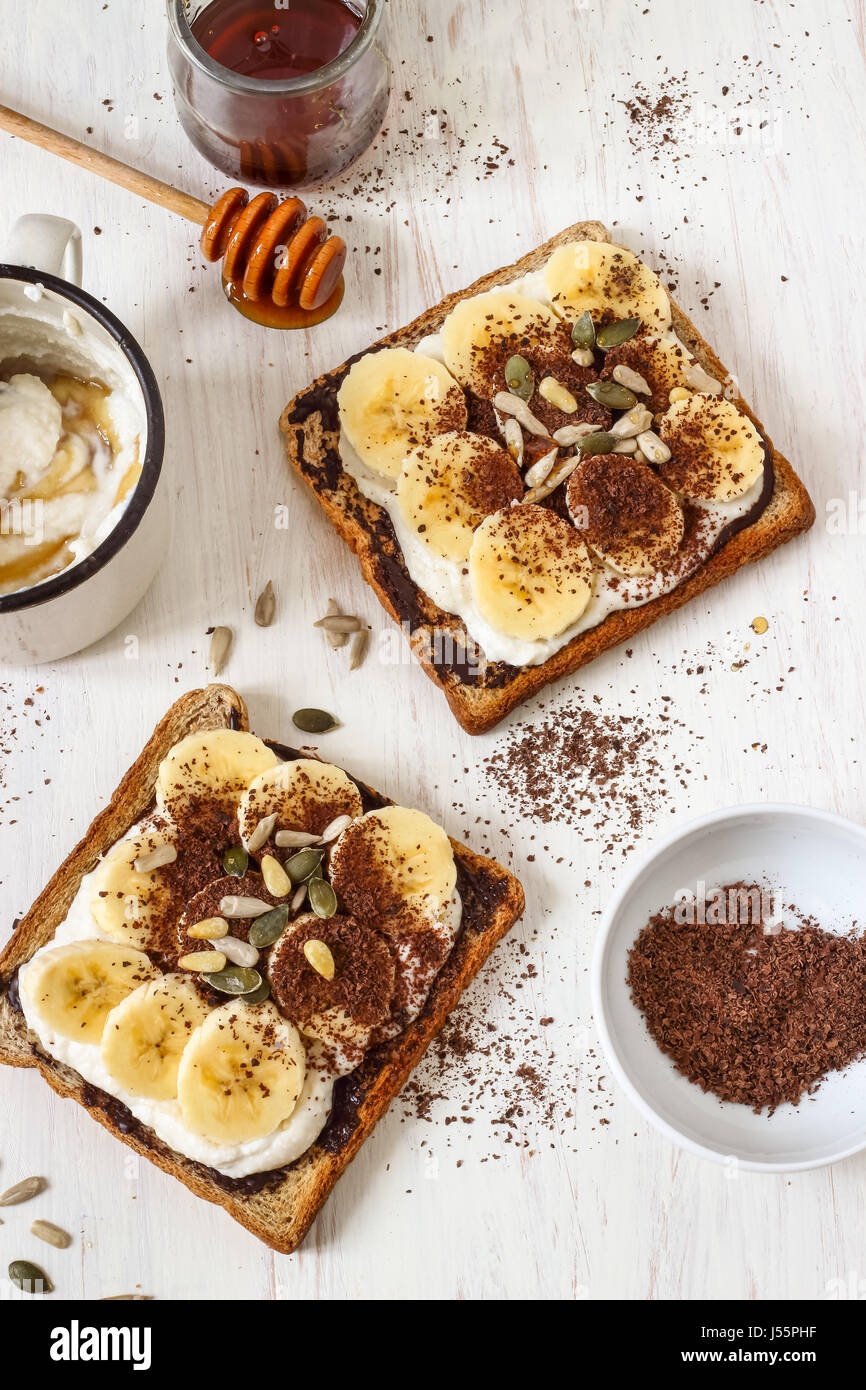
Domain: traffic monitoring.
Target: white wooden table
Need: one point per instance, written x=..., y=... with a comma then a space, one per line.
x=772, y=214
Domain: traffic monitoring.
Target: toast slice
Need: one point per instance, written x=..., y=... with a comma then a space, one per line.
x=480, y=699
x=276, y=1207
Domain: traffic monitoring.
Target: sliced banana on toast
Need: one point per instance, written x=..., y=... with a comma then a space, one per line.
x=74, y=988
x=447, y=488
x=127, y=903
x=215, y=766
x=531, y=574
x=717, y=454
x=391, y=401
x=241, y=1073
x=304, y=795
x=483, y=332
x=625, y=513
x=395, y=869
x=145, y=1035
x=607, y=282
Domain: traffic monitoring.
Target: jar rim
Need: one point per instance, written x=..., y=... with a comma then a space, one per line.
x=261, y=86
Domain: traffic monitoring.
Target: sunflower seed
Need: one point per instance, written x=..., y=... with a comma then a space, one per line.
x=262, y=833
x=237, y=951
x=336, y=827
x=536, y=475
x=236, y=979
x=267, y=929
x=208, y=929
x=127, y=1298
x=202, y=961
x=625, y=446
x=302, y=864
x=599, y=443
x=699, y=380
x=570, y=434
x=611, y=394
x=232, y=906
x=323, y=899
x=298, y=839
x=559, y=475
x=558, y=395
x=519, y=377
x=358, y=650
x=298, y=899
x=22, y=1191
x=338, y=622
x=220, y=646
x=276, y=879
x=627, y=376
x=29, y=1277
x=652, y=447
x=163, y=854
x=632, y=423
x=513, y=436
x=266, y=606
x=584, y=357
x=51, y=1234
x=583, y=332
x=318, y=955
x=235, y=861
x=335, y=639
x=507, y=404
x=612, y=334
x=314, y=721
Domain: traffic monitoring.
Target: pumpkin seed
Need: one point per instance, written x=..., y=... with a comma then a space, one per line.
x=519, y=377
x=611, y=394
x=599, y=443
x=53, y=1235
x=235, y=861
x=315, y=721
x=220, y=646
x=29, y=1277
x=265, y=930
x=266, y=606
x=583, y=332
x=22, y=1191
x=323, y=899
x=303, y=864
x=258, y=996
x=612, y=334
x=335, y=639
x=234, y=979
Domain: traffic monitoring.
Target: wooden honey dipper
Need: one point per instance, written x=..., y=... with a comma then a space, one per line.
x=280, y=267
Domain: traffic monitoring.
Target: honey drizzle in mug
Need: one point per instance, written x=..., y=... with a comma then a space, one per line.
x=85, y=416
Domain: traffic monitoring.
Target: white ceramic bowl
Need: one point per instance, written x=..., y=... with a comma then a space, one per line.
x=818, y=862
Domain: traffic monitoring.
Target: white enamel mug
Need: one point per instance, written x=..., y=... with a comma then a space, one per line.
x=47, y=321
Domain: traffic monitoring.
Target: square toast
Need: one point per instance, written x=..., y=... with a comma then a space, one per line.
x=277, y=1207
x=480, y=698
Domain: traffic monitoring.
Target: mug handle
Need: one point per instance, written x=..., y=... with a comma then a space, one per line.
x=52, y=244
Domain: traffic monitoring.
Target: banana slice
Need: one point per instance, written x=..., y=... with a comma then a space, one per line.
x=241, y=1073
x=146, y=1034
x=393, y=400
x=530, y=573
x=304, y=795
x=608, y=282
x=127, y=905
x=482, y=332
x=75, y=987
x=625, y=513
x=343, y=1011
x=661, y=359
x=394, y=869
x=214, y=766
x=449, y=486
x=717, y=453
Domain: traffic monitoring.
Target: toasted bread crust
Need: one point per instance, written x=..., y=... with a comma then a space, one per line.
x=311, y=431
x=281, y=1213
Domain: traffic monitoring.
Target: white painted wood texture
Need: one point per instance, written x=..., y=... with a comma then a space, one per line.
x=775, y=215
